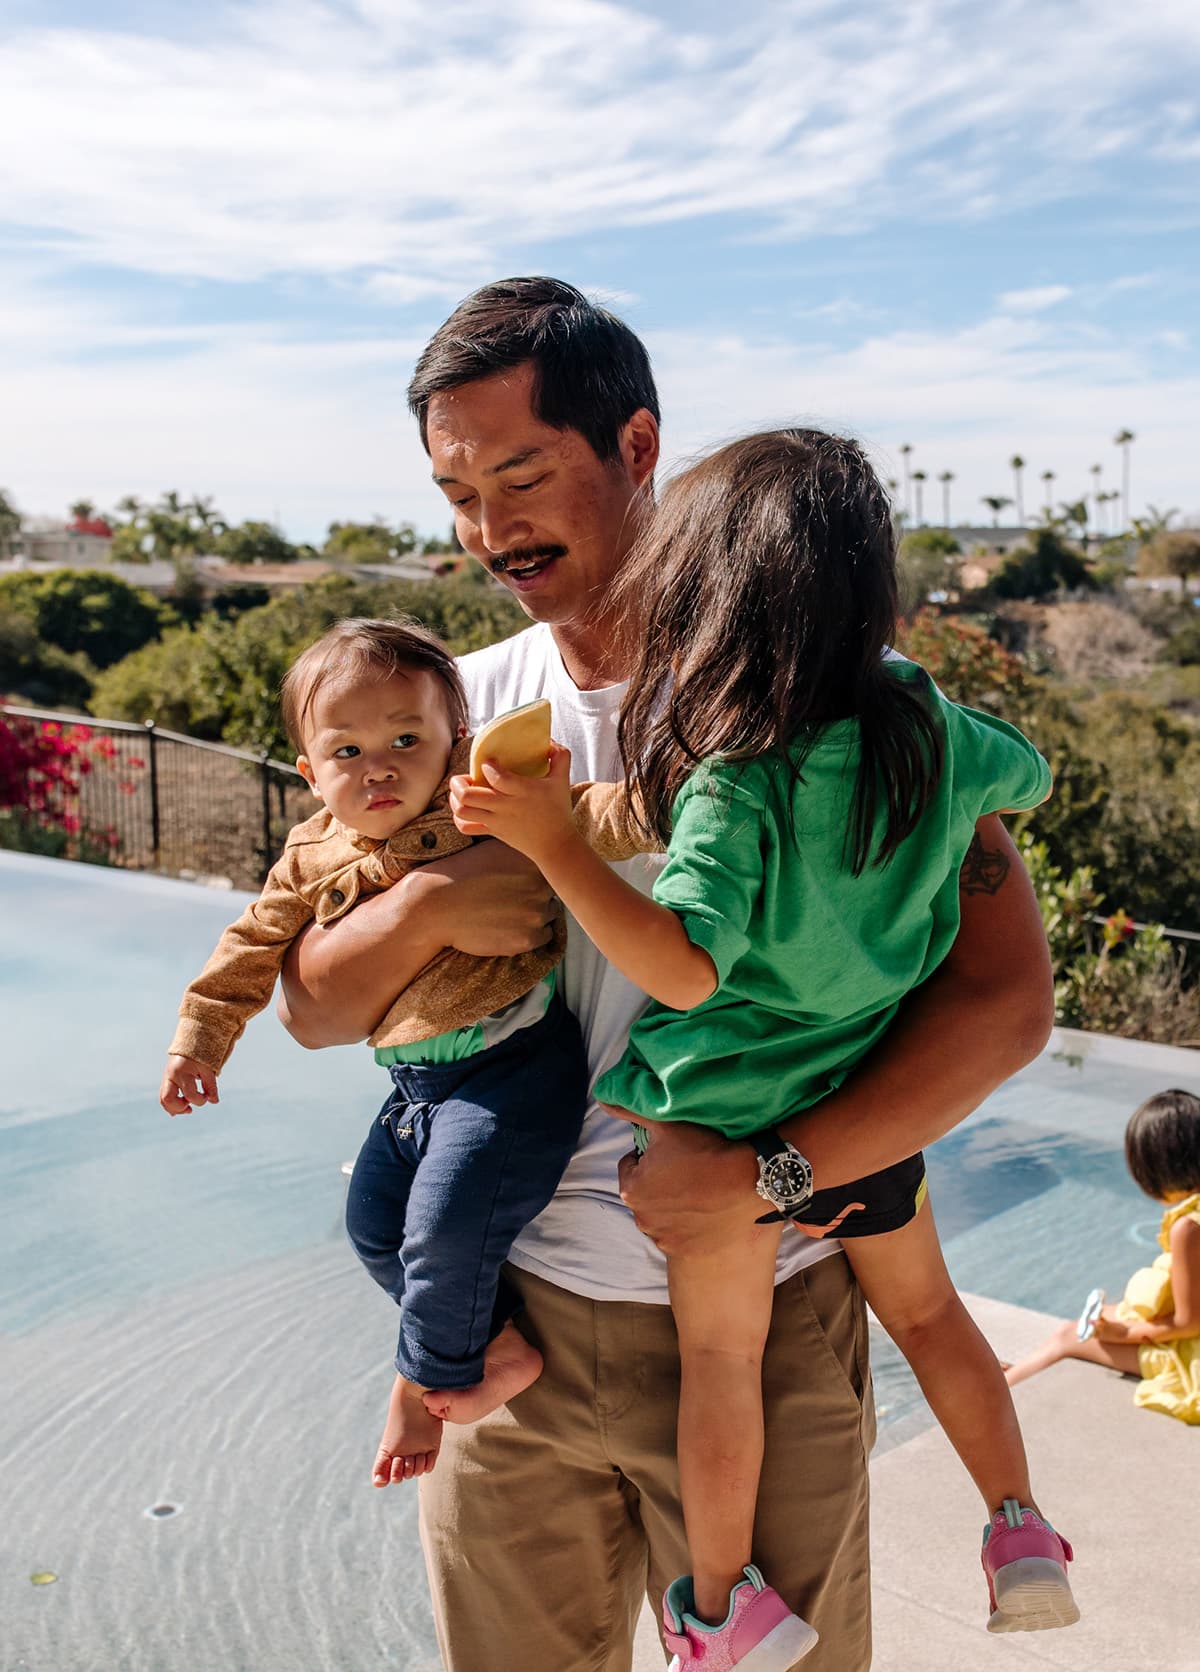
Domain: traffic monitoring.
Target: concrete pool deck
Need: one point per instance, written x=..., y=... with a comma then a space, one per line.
x=1121, y=1483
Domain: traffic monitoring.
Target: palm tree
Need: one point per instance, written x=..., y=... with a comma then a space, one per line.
x=919, y=478
x=83, y=510
x=1095, y=471
x=945, y=479
x=995, y=503
x=1154, y=523
x=905, y=453
x=1123, y=439
x=130, y=506
x=1077, y=512
x=1017, y=464
x=1047, y=478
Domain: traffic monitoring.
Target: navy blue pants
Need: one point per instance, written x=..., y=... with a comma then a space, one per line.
x=459, y=1160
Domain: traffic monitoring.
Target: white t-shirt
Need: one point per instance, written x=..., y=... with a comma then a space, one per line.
x=586, y=1240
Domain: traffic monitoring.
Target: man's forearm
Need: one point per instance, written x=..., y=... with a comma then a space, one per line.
x=338, y=982
x=983, y=1015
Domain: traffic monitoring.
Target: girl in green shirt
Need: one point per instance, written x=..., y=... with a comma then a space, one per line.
x=817, y=797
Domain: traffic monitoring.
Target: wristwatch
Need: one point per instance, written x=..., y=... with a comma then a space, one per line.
x=785, y=1178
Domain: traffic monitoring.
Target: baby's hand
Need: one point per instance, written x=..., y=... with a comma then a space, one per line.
x=532, y=815
x=186, y=1084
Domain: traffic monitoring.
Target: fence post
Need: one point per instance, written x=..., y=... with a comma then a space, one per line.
x=152, y=757
x=266, y=813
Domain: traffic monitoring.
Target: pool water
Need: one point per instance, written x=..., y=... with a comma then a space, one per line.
x=195, y=1368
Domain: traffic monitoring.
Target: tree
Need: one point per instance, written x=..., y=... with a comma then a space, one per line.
x=946, y=477
x=995, y=504
x=1017, y=464
x=924, y=565
x=919, y=477
x=254, y=542
x=1154, y=523
x=86, y=610
x=10, y=523
x=1047, y=478
x=906, y=454
x=1124, y=439
x=1046, y=566
x=373, y=542
x=1174, y=552
x=1075, y=513
x=82, y=510
x=1095, y=471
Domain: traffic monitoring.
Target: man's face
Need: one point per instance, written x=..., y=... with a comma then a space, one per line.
x=534, y=504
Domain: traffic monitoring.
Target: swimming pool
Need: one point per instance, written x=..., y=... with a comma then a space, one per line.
x=185, y=1331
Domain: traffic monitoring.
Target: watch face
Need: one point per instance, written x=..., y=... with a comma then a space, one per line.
x=787, y=1177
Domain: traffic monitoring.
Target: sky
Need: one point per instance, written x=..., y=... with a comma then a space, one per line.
x=226, y=231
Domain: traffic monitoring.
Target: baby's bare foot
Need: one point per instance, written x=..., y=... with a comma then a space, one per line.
x=411, y=1439
x=510, y=1365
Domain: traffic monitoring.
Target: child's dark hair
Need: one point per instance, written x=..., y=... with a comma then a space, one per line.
x=1162, y=1144
x=591, y=372
x=762, y=600
x=360, y=647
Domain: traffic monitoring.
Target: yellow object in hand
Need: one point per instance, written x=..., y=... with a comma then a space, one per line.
x=519, y=741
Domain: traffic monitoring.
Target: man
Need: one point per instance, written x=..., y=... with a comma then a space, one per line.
x=544, y=1524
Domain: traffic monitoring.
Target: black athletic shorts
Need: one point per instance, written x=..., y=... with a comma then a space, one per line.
x=881, y=1202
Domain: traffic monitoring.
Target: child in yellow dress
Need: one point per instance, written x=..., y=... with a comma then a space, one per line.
x=1154, y=1331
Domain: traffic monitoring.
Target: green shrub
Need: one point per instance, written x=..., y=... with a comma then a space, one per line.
x=1108, y=976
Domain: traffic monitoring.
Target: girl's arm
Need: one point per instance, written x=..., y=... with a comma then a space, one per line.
x=1184, y=1321
x=645, y=941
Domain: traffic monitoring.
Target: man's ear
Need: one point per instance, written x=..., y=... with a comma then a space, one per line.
x=639, y=446
x=304, y=768
x=460, y=733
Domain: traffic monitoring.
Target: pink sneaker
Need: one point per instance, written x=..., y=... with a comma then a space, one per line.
x=759, y=1634
x=1026, y=1566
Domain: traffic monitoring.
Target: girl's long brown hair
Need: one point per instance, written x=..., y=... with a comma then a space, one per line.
x=762, y=598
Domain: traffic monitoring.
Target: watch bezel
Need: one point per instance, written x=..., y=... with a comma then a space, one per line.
x=787, y=1158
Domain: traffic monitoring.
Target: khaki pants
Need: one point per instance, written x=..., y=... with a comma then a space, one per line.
x=544, y=1525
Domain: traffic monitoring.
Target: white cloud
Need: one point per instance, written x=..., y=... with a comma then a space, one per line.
x=1035, y=299
x=375, y=137
x=315, y=430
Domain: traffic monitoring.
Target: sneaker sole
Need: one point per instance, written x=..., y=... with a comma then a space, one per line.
x=1032, y=1594
x=779, y=1650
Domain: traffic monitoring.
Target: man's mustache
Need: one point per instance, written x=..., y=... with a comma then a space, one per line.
x=526, y=554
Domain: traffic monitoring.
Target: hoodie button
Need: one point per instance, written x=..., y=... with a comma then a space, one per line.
x=429, y=840
x=337, y=897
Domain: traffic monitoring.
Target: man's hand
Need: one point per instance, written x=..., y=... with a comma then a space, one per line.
x=492, y=901
x=488, y=901
x=532, y=815
x=186, y=1084
x=692, y=1189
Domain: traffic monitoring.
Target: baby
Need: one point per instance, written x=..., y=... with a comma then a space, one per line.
x=461, y=1157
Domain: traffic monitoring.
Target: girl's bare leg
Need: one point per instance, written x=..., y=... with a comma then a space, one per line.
x=1064, y=1344
x=904, y=1277
x=722, y=1305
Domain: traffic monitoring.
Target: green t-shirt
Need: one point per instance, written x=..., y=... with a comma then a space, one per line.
x=811, y=960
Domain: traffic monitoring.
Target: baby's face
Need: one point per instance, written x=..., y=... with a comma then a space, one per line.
x=376, y=751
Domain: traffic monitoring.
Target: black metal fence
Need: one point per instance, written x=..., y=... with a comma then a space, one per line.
x=155, y=800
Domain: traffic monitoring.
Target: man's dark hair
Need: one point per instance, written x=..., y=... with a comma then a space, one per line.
x=591, y=373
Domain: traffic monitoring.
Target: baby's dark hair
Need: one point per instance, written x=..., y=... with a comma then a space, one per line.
x=762, y=600
x=364, y=648
x=1162, y=1144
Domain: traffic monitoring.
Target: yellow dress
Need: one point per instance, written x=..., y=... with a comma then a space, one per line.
x=1170, y=1369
